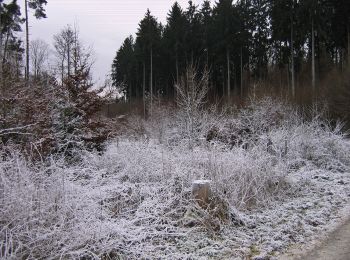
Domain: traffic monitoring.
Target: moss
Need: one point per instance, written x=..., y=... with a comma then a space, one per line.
x=254, y=251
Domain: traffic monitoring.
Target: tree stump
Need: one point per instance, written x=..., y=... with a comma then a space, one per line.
x=201, y=192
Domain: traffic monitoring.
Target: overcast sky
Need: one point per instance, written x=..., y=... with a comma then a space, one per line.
x=104, y=24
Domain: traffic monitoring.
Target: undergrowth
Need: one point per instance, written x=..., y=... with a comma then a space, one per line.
x=134, y=200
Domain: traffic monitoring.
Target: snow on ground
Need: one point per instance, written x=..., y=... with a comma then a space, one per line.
x=282, y=182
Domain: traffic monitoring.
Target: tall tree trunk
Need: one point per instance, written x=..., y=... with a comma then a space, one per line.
x=144, y=90
x=241, y=72
x=62, y=71
x=177, y=67
x=2, y=82
x=68, y=59
x=292, y=51
x=313, y=58
x=348, y=43
x=223, y=82
x=207, y=65
x=228, y=73
x=151, y=80
x=1, y=55
x=36, y=73
x=248, y=72
x=76, y=50
x=27, y=42
x=3, y=61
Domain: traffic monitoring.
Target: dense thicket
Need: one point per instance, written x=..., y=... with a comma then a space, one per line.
x=45, y=111
x=241, y=42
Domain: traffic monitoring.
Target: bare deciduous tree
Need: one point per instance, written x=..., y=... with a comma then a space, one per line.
x=39, y=54
x=63, y=43
x=192, y=92
x=71, y=52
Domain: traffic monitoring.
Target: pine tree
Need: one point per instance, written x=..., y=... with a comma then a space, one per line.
x=174, y=41
x=313, y=25
x=38, y=7
x=340, y=26
x=206, y=30
x=10, y=23
x=123, y=68
x=148, y=39
x=226, y=26
x=194, y=46
x=247, y=27
x=10, y=57
x=286, y=32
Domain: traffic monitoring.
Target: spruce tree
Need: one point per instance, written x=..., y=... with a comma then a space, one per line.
x=174, y=40
x=148, y=39
x=226, y=24
x=123, y=68
x=206, y=30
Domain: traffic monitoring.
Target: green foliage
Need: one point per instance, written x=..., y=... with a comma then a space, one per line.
x=38, y=7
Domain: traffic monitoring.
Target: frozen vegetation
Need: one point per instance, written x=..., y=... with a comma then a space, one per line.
x=278, y=178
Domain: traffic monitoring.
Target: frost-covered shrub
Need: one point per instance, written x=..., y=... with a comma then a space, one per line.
x=248, y=125
x=61, y=120
x=134, y=200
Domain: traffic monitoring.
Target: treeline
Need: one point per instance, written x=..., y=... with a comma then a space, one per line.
x=240, y=43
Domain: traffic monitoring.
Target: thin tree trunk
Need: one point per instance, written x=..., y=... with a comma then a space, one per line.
x=130, y=92
x=5, y=49
x=18, y=66
x=1, y=55
x=62, y=71
x=348, y=44
x=228, y=74
x=68, y=59
x=288, y=79
x=2, y=82
x=248, y=72
x=27, y=43
x=144, y=90
x=342, y=58
x=151, y=80
x=177, y=67
x=223, y=82
x=292, y=52
x=313, y=58
x=207, y=58
x=36, y=73
x=241, y=72
x=76, y=47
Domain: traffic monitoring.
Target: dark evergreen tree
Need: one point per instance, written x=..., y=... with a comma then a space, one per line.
x=175, y=42
x=123, y=68
x=148, y=38
x=226, y=38
x=340, y=28
x=246, y=14
x=206, y=31
x=193, y=35
x=10, y=46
